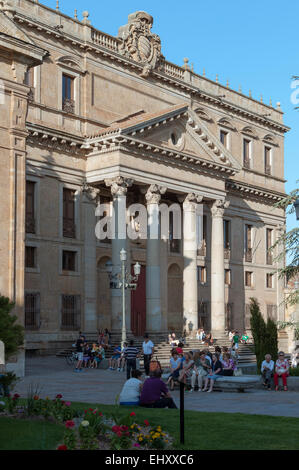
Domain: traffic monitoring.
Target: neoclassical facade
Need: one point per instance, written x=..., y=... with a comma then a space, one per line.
x=90, y=119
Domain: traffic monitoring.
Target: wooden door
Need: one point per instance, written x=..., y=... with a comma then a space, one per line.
x=138, y=305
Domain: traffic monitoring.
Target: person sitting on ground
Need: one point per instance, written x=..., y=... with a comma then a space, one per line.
x=244, y=338
x=187, y=367
x=200, y=370
x=214, y=373
x=113, y=359
x=267, y=370
x=175, y=366
x=281, y=370
x=122, y=360
x=154, y=392
x=130, y=394
x=228, y=365
x=79, y=350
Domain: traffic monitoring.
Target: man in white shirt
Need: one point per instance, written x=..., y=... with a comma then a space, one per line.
x=148, y=350
x=267, y=370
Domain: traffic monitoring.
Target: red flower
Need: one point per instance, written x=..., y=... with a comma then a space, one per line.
x=36, y=397
x=90, y=409
x=146, y=422
x=62, y=447
x=94, y=412
x=124, y=428
x=69, y=424
x=115, y=428
x=119, y=433
x=132, y=414
x=85, y=411
x=59, y=396
x=16, y=395
x=100, y=414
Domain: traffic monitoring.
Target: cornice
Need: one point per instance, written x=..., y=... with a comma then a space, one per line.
x=254, y=192
x=171, y=74
x=56, y=140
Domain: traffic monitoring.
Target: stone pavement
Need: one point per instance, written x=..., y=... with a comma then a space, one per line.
x=52, y=375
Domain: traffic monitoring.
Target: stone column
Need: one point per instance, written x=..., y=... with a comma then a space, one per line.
x=190, y=293
x=90, y=197
x=153, y=278
x=217, y=269
x=119, y=187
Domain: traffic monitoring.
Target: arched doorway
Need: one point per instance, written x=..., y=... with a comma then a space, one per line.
x=104, y=295
x=175, y=298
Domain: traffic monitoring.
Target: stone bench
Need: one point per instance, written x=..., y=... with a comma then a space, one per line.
x=239, y=384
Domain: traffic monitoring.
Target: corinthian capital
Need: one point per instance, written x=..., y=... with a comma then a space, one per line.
x=119, y=185
x=90, y=194
x=218, y=207
x=153, y=194
x=191, y=200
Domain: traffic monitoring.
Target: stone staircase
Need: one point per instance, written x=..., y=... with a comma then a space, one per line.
x=162, y=349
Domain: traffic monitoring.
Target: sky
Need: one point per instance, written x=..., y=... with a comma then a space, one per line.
x=253, y=44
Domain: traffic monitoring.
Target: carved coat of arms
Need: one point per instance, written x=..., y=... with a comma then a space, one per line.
x=139, y=43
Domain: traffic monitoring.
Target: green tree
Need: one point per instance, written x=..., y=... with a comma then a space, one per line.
x=271, y=342
x=11, y=333
x=258, y=329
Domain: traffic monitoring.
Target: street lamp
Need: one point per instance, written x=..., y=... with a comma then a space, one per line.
x=123, y=280
x=296, y=205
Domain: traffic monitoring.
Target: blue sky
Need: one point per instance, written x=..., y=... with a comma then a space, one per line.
x=253, y=44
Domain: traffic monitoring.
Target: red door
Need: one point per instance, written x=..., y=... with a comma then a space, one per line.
x=138, y=305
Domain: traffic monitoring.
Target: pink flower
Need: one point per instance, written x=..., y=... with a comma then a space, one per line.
x=67, y=403
x=136, y=444
x=69, y=424
x=62, y=447
x=132, y=414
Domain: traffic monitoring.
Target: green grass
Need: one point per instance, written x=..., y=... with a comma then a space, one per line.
x=23, y=434
x=204, y=431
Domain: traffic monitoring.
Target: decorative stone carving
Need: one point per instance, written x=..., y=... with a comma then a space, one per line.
x=191, y=200
x=119, y=185
x=218, y=207
x=139, y=43
x=90, y=194
x=154, y=192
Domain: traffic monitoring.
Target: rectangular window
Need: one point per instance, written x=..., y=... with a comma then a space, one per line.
x=227, y=277
x=248, y=279
x=69, y=260
x=228, y=316
x=269, y=233
x=268, y=169
x=246, y=153
x=226, y=233
x=269, y=280
x=32, y=311
x=68, y=103
x=202, y=274
x=202, y=251
x=174, y=243
x=69, y=228
x=30, y=257
x=30, y=207
x=203, y=307
x=248, y=243
x=70, y=312
x=224, y=138
x=272, y=312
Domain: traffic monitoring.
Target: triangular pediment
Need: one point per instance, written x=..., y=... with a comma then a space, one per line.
x=9, y=28
x=176, y=129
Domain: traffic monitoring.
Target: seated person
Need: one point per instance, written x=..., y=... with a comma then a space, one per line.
x=113, y=359
x=86, y=354
x=281, y=370
x=214, y=373
x=228, y=365
x=175, y=366
x=155, y=394
x=267, y=370
x=100, y=355
x=200, y=370
x=94, y=352
x=122, y=360
x=187, y=367
x=244, y=338
x=131, y=391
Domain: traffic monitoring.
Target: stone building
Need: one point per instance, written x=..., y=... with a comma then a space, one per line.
x=87, y=118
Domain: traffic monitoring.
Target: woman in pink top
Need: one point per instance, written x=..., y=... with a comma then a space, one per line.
x=281, y=370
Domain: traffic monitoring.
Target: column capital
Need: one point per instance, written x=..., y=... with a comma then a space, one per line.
x=119, y=185
x=154, y=192
x=218, y=207
x=90, y=194
x=191, y=200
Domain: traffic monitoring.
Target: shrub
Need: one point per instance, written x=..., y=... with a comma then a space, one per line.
x=11, y=334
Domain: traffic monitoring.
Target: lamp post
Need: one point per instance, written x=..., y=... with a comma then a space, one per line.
x=123, y=280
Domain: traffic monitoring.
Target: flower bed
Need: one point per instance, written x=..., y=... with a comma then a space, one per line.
x=88, y=429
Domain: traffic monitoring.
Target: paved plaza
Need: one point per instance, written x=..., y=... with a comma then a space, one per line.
x=52, y=375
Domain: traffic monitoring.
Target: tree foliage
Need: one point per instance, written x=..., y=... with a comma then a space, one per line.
x=264, y=334
x=11, y=333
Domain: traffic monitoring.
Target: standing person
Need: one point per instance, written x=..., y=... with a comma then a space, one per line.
x=79, y=349
x=267, y=370
x=235, y=341
x=130, y=354
x=148, y=350
x=281, y=370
